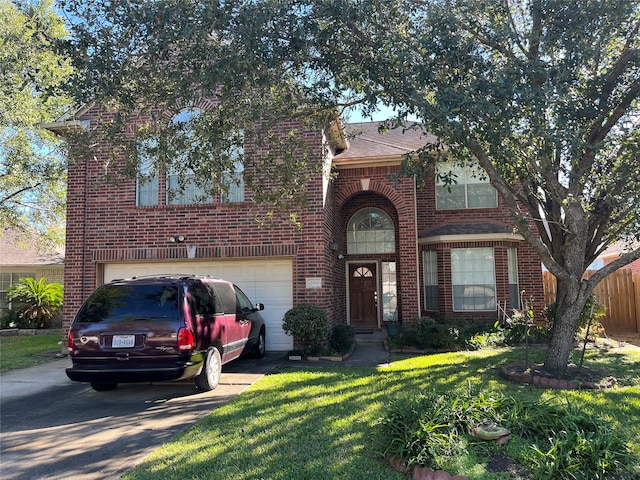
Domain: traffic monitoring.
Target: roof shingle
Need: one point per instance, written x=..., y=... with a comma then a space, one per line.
x=15, y=251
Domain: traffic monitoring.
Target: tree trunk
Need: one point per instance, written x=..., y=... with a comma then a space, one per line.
x=569, y=306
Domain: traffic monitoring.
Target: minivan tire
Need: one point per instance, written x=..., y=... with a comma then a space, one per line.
x=209, y=376
x=261, y=345
x=103, y=387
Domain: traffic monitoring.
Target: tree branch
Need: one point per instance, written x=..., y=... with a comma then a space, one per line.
x=18, y=192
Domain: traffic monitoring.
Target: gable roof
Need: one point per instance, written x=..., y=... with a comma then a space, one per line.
x=367, y=145
x=15, y=251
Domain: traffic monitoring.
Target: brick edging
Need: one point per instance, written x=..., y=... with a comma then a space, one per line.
x=421, y=473
x=546, y=382
x=24, y=332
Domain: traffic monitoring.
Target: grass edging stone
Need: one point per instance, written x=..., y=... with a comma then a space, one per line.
x=421, y=473
x=26, y=332
x=520, y=372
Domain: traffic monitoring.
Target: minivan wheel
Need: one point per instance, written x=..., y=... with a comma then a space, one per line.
x=209, y=376
x=103, y=387
x=261, y=345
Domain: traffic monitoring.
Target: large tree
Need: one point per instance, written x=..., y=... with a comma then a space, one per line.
x=32, y=73
x=543, y=94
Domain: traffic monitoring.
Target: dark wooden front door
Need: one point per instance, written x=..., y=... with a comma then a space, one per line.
x=363, y=301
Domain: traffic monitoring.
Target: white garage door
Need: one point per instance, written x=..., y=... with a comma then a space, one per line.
x=267, y=281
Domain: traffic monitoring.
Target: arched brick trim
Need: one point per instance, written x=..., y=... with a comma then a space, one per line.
x=204, y=104
x=399, y=203
x=354, y=188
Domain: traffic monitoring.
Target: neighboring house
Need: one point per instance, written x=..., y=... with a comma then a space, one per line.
x=617, y=249
x=368, y=250
x=21, y=257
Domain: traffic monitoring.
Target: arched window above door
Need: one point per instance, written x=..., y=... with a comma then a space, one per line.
x=362, y=272
x=371, y=230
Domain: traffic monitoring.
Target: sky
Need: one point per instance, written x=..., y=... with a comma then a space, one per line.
x=383, y=113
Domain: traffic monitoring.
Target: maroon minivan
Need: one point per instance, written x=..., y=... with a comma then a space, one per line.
x=147, y=329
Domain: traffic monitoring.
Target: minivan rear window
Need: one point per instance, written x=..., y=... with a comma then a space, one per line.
x=120, y=303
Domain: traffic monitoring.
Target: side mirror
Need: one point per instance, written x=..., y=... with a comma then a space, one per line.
x=259, y=306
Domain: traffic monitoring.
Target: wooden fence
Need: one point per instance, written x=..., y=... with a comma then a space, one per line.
x=619, y=292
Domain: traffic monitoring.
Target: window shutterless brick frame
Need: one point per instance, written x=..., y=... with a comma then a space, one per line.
x=528, y=262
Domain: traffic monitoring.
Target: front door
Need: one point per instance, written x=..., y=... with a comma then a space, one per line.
x=363, y=295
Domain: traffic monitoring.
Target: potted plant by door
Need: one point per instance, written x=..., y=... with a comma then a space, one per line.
x=393, y=327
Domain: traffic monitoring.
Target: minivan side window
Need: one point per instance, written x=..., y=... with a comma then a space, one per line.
x=244, y=304
x=225, y=299
x=201, y=300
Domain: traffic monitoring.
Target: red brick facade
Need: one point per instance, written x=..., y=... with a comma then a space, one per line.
x=104, y=225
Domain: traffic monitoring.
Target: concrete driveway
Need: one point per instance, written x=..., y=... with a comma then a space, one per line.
x=53, y=428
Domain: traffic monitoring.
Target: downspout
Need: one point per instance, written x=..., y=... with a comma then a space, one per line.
x=415, y=229
x=84, y=229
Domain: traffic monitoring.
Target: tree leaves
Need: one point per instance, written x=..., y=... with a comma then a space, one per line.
x=32, y=74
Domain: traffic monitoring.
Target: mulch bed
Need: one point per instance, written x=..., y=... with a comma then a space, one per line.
x=573, y=378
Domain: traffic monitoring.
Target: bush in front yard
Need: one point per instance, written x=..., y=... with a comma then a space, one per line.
x=427, y=333
x=342, y=338
x=309, y=325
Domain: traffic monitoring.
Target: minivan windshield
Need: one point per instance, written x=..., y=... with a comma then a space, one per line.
x=120, y=303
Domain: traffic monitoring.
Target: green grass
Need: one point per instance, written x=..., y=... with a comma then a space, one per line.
x=27, y=350
x=321, y=423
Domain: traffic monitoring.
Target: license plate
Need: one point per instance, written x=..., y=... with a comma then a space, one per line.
x=123, y=341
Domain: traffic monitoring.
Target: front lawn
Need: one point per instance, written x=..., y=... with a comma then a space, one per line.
x=27, y=350
x=323, y=423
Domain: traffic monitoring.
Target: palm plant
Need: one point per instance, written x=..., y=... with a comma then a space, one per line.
x=38, y=300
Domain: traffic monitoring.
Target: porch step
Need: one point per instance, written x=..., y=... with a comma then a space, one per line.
x=365, y=331
x=373, y=336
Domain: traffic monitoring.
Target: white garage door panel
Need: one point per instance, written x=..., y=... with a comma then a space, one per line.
x=267, y=281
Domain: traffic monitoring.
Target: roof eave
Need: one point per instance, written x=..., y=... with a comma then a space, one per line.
x=67, y=126
x=68, y=122
x=473, y=237
x=367, y=162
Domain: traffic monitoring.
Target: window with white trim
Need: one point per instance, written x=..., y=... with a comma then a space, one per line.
x=514, y=284
x=234, y=183
x=389, y=292
x=371, y=230
x=470, y=187
x=473, y=279
x=147, y=184
x=181, y=185
x=7, y=279
x=430, y=275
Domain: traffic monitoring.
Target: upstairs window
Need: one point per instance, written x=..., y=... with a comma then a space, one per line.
x=470, y=188
x=147, y=183
x=234, y=181
x=371, y=230
x=182, y=185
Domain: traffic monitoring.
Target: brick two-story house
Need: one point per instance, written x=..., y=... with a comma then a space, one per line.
x=368, y=250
